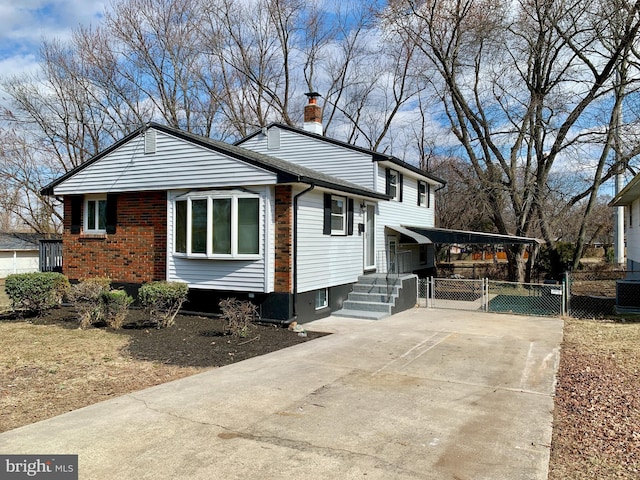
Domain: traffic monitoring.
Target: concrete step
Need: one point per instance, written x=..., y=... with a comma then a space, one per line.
x=367, y=306
x=359, y=314
x=373, y=288
x=371, y=297
x=378, y=279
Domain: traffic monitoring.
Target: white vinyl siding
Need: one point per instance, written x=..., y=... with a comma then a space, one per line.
x=235, y=275
x=176, y=164
x=319, y=155
x=633, y=233
x=323, y=260
x=405, y=213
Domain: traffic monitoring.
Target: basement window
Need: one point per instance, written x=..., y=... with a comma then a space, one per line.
x=218, y=225
x=322, y=299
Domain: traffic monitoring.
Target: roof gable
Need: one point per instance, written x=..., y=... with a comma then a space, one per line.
x=185, y=160
x=375, y=156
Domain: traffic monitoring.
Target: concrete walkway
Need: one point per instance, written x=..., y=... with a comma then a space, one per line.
x=425, y=394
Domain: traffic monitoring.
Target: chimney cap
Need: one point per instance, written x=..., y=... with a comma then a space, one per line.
x=312, y=94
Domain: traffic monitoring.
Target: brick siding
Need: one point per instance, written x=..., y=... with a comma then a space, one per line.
x=135, y=253
x=284, y=239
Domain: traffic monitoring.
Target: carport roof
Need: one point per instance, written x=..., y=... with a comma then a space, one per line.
x=409, y=236
x=445, y=235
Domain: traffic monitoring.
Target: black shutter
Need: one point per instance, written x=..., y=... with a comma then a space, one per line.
x=327, y=214
x=112, y=213
x=428, y=188
x=419, y=190
x=400, y=181
x=350, y=216
x=76, y=213
x=387, y=185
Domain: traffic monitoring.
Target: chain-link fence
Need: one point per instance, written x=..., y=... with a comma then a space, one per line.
x=595, y=292
x=493, y=296
x=462, y=294
x=592, y=293
x=526, y=298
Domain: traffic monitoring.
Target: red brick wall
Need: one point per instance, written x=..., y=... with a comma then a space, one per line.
x=136, y=253
x=284, y=239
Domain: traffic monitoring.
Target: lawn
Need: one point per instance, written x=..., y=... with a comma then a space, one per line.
x=596, y=432
x=48, y=366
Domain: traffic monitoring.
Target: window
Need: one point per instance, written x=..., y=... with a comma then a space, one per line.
x=424, y=254
x=322, y=299
x=95, y=214
x=423, y=194
x=393, y=185
x=338, y=215
x=218, y=225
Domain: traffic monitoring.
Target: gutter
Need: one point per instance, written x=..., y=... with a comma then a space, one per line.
x=295, y=249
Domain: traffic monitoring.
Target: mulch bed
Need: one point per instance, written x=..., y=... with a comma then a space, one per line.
x=193, y=341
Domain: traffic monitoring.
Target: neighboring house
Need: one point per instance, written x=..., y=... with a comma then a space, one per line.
x=19, y=253
x=286, y=217
x=628, y=290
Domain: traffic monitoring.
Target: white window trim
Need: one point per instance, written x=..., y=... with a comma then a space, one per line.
x=234, y=255
x=396, y=174
x=344, y=214
x=85, y=214
x=423, y=201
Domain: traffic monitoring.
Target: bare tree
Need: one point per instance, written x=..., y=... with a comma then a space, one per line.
x=518, y=82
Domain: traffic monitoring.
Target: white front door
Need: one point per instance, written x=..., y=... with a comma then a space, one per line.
x=369, y=237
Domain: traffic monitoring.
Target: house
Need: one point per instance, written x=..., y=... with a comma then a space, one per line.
x=19, y=253
x=27, y=252
x=628, y=290
x=286, y=217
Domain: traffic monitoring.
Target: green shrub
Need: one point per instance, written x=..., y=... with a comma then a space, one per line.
x=115, y=306
x=87, y=299
x=36, y=292
x=237, y=315
x=163, y=300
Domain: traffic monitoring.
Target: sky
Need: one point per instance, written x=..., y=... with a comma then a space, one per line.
x=25, y=23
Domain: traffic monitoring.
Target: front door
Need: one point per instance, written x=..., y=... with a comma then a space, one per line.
x=370, y=237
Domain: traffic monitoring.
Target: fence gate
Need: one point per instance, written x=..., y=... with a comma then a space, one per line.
x=493, y=296
x=460, y=294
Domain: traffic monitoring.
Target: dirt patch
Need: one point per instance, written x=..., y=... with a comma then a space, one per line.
x=596, y=432
x=48, y=366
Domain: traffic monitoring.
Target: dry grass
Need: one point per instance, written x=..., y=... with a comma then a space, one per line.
x=46, y=370
x=596, y=431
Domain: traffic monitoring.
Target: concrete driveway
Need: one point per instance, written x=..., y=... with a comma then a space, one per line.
x=425, y=394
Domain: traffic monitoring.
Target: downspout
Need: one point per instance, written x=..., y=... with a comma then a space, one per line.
x=295, y=248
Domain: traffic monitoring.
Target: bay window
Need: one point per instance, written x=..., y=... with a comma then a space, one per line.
x=217, y=225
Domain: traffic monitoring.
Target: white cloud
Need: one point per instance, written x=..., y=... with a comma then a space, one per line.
x=26, y=23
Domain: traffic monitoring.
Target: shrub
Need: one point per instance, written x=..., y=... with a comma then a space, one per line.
x=36, y=292
x=87, y=298
x=237, y=315
x=163, y=300
x=114, y=306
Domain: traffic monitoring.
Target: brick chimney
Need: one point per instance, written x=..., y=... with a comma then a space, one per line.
x=313, y=114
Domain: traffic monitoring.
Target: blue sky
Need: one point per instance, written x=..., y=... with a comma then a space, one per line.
x=25, y=23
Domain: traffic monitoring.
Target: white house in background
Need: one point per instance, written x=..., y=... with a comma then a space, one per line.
x=628, y=290
x=288, y=218
x=19, y=253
